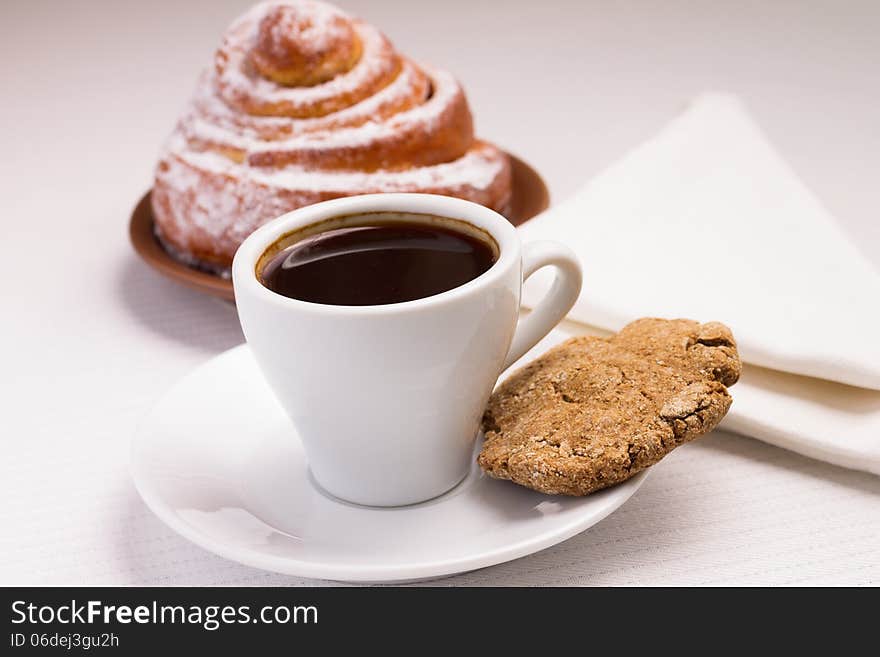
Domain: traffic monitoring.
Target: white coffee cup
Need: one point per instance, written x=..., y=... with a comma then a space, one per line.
x=388, y=399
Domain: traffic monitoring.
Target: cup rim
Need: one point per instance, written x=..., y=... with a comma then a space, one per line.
x=244, y=264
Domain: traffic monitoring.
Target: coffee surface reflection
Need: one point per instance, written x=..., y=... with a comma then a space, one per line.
x=377, y=264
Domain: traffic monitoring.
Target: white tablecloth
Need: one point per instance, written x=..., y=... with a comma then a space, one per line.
x=91, y=338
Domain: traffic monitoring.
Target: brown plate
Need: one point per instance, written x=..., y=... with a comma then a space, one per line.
x=530, y=197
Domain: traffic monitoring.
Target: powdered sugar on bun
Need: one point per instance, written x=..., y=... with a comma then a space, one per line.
x=251, y=147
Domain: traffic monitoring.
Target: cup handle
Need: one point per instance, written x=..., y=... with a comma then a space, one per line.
x=558, y=301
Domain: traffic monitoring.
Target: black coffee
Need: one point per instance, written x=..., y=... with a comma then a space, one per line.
x=379, y=264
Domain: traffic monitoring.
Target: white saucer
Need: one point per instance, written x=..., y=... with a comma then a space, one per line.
x=219, y=462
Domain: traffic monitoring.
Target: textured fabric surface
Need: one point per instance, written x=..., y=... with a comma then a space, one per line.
x=91, y=338
x=722, y=510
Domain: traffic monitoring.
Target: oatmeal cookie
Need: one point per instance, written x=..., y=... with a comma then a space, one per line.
x=593, y=411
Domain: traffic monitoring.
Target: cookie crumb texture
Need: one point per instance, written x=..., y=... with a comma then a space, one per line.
x=593, y=412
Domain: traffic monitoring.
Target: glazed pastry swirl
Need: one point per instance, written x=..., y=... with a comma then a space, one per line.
x=304, y=104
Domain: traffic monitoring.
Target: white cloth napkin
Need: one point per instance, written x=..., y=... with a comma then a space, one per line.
x=706, y=221
x=828, y=421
